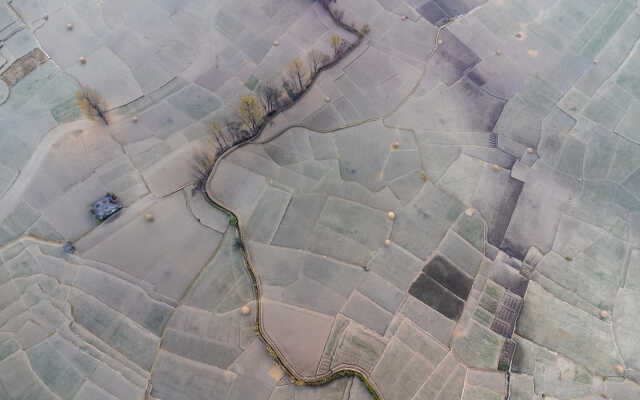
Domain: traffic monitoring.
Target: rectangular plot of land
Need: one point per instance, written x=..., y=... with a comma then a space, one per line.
x=449, y=276
x=509, y=278
x=436, y=296
x=512, y=302
x=506, y=315
x=365, y=225
x=432, y=12
x=501, y=328
x=267, y=215
x=454, y=58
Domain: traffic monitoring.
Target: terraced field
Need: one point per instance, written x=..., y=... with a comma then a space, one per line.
x=449, y=209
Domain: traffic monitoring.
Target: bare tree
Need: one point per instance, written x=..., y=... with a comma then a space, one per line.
x=218, y=134
x=290, y=89
x=298, y=72
x=317, y=60
x=201, y=168
x=270, y=97
x=92, y=104
x=232, y=132
x=234, y=128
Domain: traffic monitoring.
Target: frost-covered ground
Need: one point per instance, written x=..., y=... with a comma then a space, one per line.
x=453, y=209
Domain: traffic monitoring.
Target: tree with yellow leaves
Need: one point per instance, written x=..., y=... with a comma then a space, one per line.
x=91, y=104
x=218, y=134
x=251, y=113
x=336, y=43
x=298, y=72
x=215, y=128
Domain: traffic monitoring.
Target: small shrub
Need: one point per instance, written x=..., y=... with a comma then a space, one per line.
x=237, y=244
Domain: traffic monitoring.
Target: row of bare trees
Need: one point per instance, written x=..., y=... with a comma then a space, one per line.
x=252, y=110
x=271, y=98
x=226, y=135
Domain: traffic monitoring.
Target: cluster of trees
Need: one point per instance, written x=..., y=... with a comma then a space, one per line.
x=298, y=76
x=271, y=98
x=253, y=109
